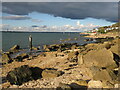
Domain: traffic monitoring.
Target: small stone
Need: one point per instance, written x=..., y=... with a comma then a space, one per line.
x=35, y=48
x=81, y=82
x=63, y=86
x=107, y=85
x=51, y=73
x=117, y=85
x=73, y=47
x=95, y=84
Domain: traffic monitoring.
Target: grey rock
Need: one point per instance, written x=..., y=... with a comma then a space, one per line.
x=100, y=58
x=51, y=73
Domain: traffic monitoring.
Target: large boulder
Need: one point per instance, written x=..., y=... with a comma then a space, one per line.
x=51, y=73
x=19, y=75
x=23, y=74
x=105, y=75
x=100, y=58
x=36, y=72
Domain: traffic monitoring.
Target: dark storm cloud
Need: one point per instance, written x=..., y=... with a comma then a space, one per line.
x=15, y=17
x=73, y=10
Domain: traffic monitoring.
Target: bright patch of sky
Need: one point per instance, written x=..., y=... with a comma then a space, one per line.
x=40, y=19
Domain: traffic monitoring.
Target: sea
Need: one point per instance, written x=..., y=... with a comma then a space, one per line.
x=9, y=39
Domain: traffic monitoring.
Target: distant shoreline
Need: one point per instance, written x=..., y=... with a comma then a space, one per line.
x=36, y=32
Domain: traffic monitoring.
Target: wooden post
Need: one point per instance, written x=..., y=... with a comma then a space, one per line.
x=30, y=42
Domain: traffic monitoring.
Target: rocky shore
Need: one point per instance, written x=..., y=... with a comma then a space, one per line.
x=65, y=66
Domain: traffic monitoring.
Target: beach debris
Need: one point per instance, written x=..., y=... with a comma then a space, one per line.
x=51, y=73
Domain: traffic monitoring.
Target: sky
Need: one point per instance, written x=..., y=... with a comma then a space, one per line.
x=58, y=16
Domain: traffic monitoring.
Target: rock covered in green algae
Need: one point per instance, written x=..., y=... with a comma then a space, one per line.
x=19, y=75
x=23, y=74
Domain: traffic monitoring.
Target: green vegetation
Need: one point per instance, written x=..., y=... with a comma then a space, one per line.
x=112, y=28
x=101, y=30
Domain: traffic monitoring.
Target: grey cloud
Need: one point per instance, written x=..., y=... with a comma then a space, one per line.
x=15, y=17
x=72, y=10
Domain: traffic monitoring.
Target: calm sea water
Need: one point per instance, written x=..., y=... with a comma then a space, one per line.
x=10, y=39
